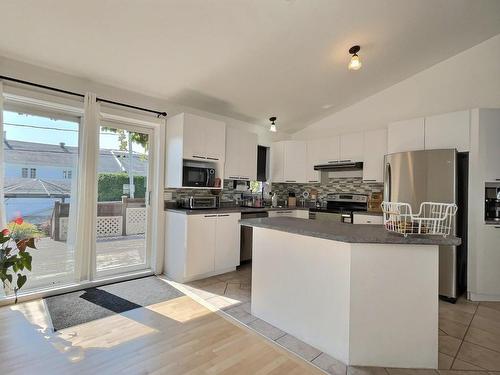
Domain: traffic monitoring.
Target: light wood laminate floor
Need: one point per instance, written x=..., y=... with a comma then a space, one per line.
x=179, y=336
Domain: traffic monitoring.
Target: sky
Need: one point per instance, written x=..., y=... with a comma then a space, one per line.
x=51, y=131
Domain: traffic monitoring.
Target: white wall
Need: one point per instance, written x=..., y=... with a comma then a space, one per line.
x=37, y=74
x=468, y=80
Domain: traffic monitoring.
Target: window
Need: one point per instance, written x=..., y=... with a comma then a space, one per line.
x=24, y=173
x=33, y=173
x=67, y=174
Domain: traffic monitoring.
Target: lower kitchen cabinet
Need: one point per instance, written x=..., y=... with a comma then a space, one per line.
x=367, y=219
x=301, y=214
x=227, y=241
x=198, y=246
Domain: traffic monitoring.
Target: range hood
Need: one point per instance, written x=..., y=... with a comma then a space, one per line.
x=340, y=166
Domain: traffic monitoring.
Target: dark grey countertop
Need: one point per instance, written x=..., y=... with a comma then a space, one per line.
x=225, y=210
x=344, y=232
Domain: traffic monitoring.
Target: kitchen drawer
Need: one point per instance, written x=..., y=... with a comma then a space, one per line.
x=368, y=219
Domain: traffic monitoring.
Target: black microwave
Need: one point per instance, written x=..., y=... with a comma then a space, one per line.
x=197, y=176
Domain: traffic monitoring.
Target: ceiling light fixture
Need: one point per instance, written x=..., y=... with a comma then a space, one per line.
x=355, y=63
x=272, y=128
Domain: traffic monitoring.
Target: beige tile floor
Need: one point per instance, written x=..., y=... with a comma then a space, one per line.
x=469, y=332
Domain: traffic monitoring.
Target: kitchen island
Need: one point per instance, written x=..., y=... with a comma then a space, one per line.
x=357, y=292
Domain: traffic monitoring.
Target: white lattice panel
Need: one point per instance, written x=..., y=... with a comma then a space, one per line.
x=63, y=228
x=109, y=226
x=135, y=220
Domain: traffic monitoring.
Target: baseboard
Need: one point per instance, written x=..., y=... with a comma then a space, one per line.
x=479, y=297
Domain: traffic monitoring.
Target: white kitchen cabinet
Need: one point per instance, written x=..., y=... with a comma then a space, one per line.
x=313, y=158
x=227, y=241
x=367, y=219
x=241, y=155
x=488, y=283
x=215, y=140
x=448, y=130
x=483, y=252
x=301, y=214
x=321, y=151
x=277, y=162
x=351, y=147
x=295, y=161
x=375, y=147
x=288, y=161
x=489, y=143
x=408, y=135
x=192, y=137
x=200, y=251
x=203, y=138
x=202, y=245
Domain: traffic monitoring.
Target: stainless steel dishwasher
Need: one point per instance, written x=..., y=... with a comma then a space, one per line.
x=246, y=235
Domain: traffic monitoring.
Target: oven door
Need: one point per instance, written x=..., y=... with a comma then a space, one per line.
x=195, y=176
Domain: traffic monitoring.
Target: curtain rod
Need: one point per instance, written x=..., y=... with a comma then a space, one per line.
x=20, y=81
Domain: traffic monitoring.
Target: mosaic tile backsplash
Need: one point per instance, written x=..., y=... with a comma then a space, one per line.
x=334, y=185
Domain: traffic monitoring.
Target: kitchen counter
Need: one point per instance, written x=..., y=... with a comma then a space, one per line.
x=225, y=210
x=346, y=288
x=343, y=232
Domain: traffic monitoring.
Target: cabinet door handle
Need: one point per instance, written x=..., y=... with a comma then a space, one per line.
x=209, y=158
x=312, y=181
x=199, y=157
x=370, y=180
x=210, y=215
x=497, y=227
x=223, y=215
x=333, y=161
x=342, y=161
x=290, y=181
x=234, y=177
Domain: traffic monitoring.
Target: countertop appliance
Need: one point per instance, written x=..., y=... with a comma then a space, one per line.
x=247, y=235
x=492, y=203
x=340, y=207
x=433, y=176
x=198, y=175
x=198, y=203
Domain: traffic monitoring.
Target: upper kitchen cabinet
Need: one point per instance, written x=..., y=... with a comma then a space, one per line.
x=406, y=135
x=192, y=137
x=375, y=147
x=295, y=161
x=277, y=162
x=488, y=144
x=241, y=155
x=203, y=138
x=321, y=151
x=351, y=147
x=288, y=161
x=449, y=130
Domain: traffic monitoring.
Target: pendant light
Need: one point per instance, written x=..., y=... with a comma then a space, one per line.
x=355, y=63
x=272, y=128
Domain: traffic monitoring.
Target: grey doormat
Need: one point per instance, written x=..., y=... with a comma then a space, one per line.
x=70, y=309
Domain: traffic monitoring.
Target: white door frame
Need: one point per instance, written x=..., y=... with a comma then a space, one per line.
x=155, y=174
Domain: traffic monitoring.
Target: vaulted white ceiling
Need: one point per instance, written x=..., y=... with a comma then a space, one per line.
x=247, y=59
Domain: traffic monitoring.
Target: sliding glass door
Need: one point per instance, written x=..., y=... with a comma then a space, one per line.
x=39, y=182
x=123, y=193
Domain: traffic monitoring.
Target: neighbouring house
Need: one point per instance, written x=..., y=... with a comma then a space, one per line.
x=38, y=174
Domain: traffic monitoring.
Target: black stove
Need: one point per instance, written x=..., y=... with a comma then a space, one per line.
x=341, y=206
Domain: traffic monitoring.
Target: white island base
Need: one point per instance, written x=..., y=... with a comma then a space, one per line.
x=363, y=304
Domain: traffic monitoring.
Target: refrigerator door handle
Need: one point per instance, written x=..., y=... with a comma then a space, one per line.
x=387, y=182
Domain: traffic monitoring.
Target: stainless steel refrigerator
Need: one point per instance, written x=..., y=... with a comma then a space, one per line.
x=427, y=176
